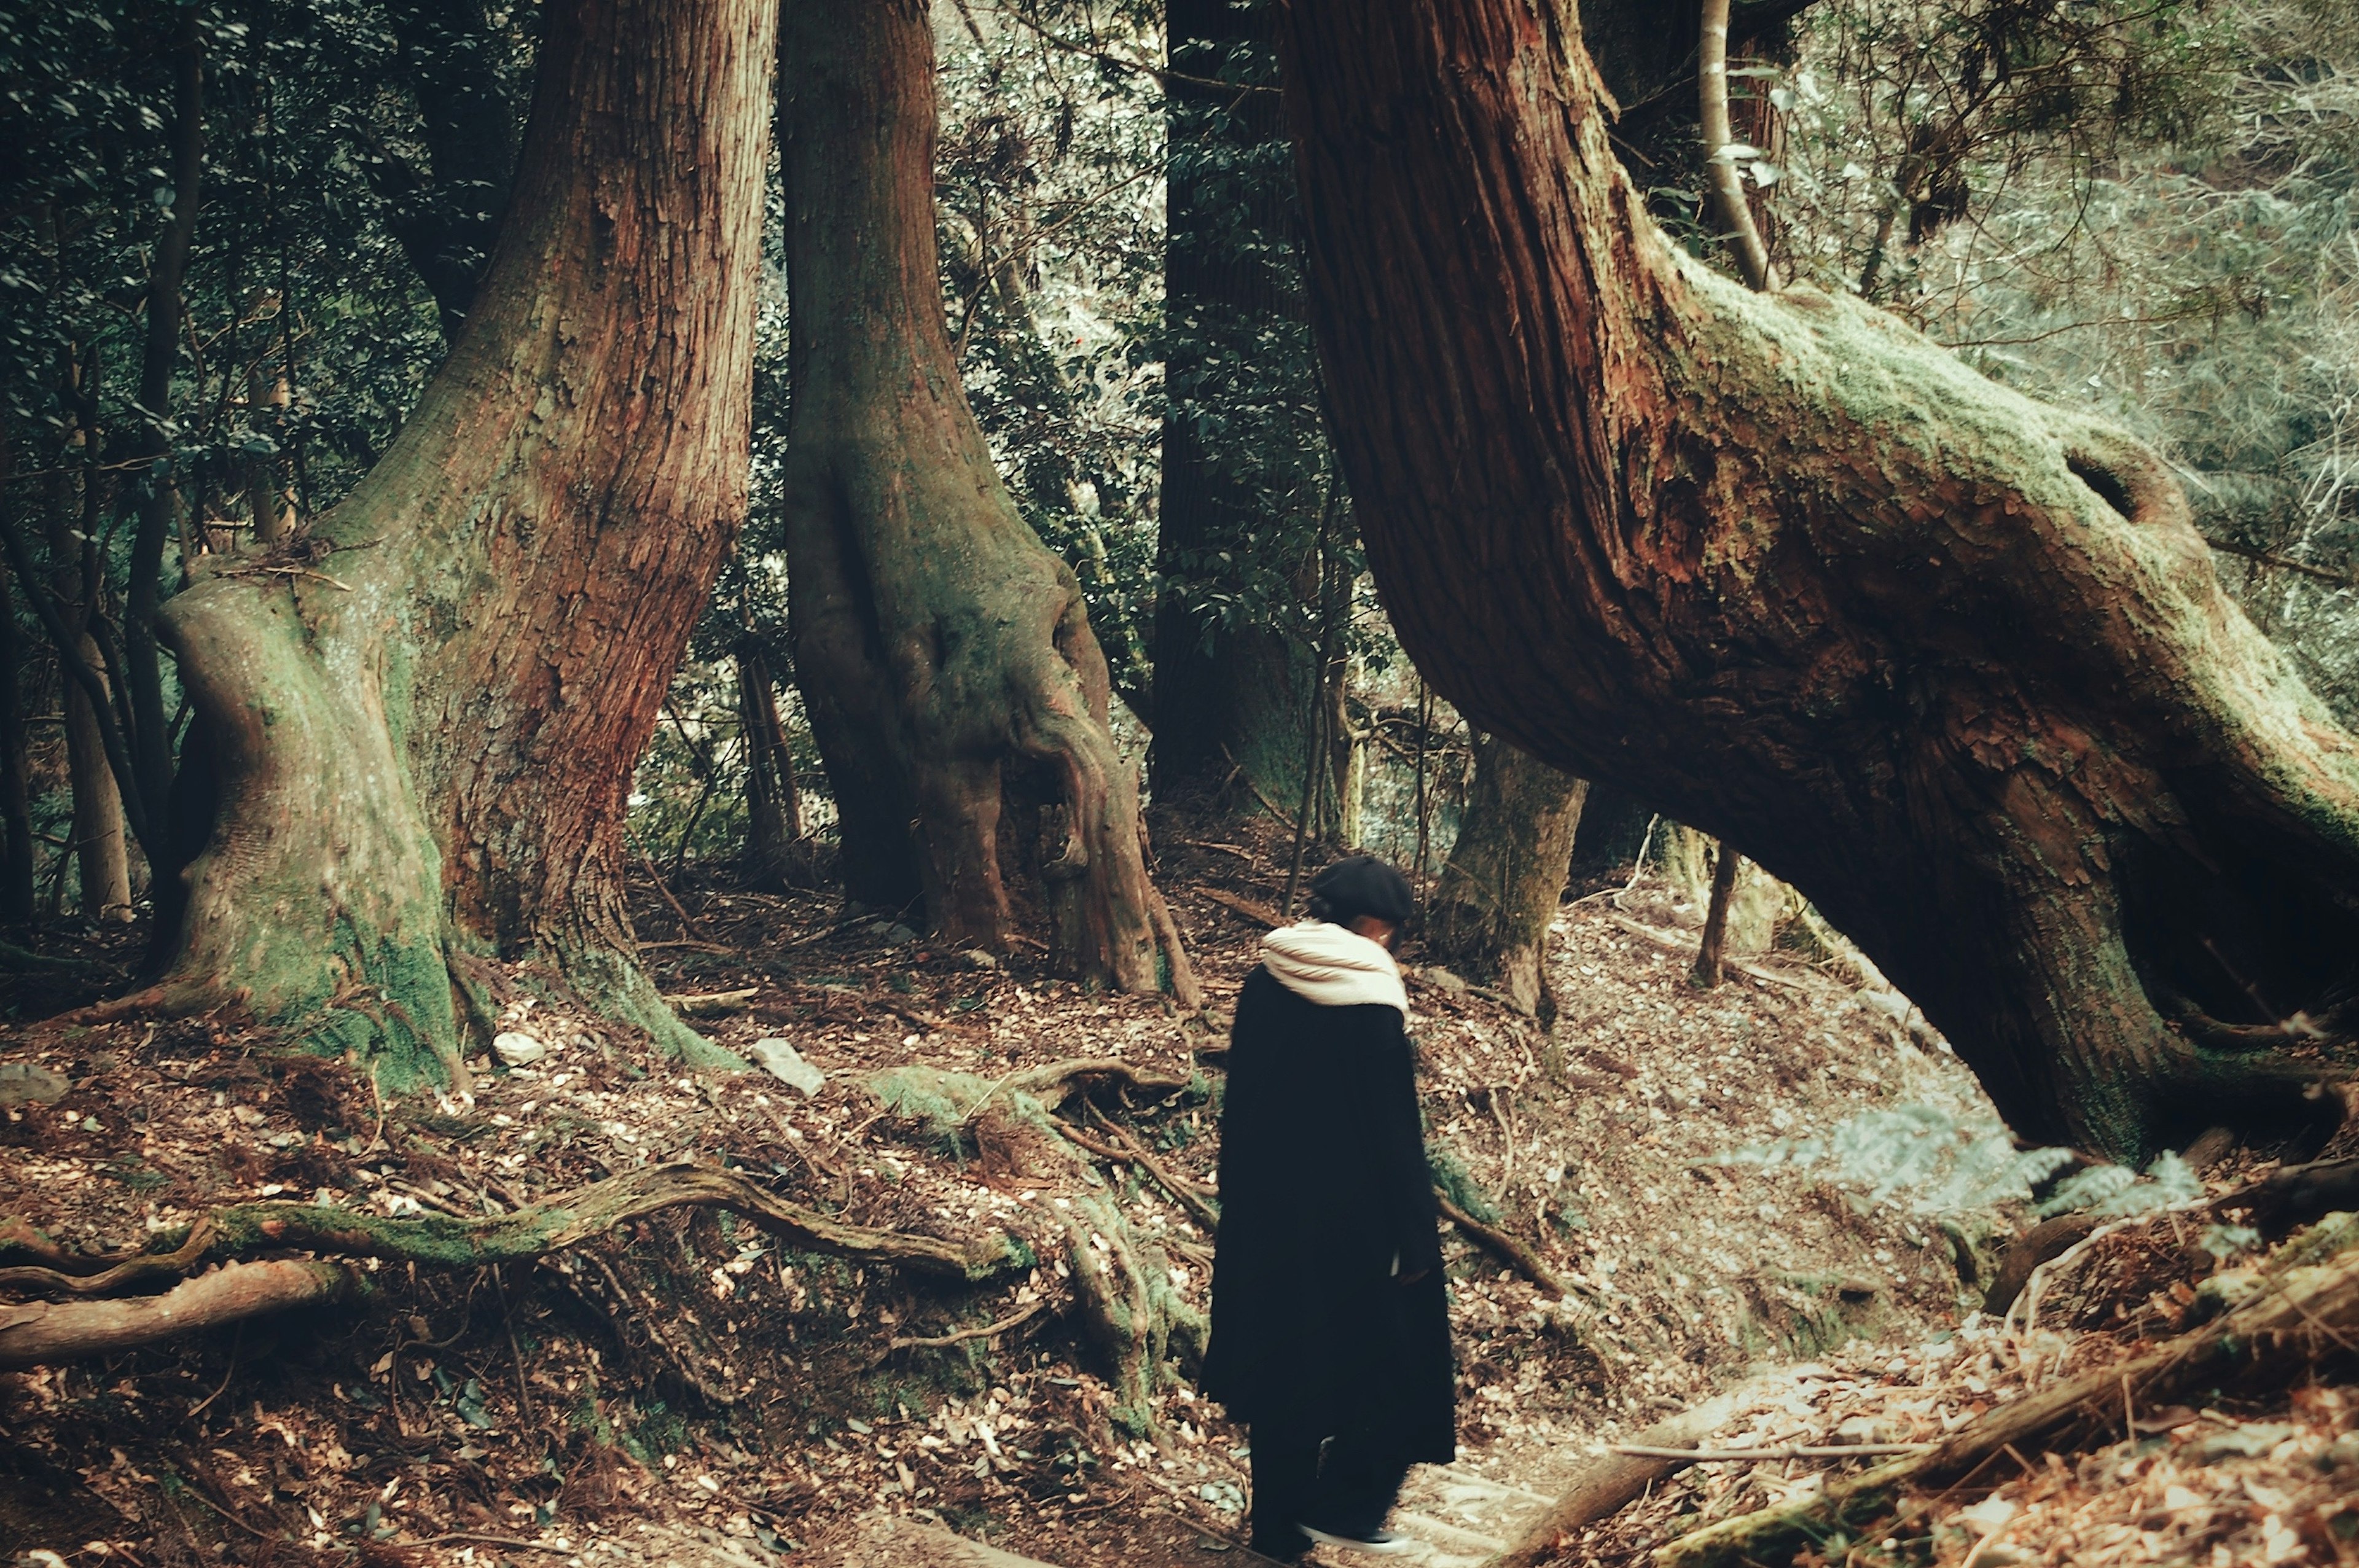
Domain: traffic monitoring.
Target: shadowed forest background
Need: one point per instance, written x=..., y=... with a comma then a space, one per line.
x=661, y=661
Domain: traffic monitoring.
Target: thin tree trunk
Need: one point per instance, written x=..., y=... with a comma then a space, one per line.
x=1727, y=863
x=15, y=805
x=1721, y=163
x=101, y=847
x=1491, y=911
x=1955, y=663
x=424, y=750
x=148, y=738
x=956, y=692
x=773, y=811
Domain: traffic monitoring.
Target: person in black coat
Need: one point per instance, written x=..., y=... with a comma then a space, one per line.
x=1331, y=1331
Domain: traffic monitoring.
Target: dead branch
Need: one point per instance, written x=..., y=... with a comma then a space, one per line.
x=1754, y=1455
x=40, y=1333
x=988, y=1331
x=1252, y=909
x=2276, y=1329
x=2044, y=1241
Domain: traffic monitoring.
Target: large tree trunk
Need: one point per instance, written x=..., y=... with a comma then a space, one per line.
x=956, y=692
x=1232, y=690
x=424, y=715
x=1490, y=912
x=1953, y=662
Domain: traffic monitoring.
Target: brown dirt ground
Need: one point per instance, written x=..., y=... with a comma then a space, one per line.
x=1677, y=1157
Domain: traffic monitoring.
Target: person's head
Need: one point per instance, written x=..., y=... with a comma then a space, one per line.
x=1362, y=893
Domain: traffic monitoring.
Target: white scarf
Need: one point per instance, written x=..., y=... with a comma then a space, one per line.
x=1334, y=968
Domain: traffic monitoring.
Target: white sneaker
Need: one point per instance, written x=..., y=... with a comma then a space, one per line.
x=1380, y=1543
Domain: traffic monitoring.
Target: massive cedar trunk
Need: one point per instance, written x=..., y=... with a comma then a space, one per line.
x=958, y=696
x=1953, y=662
x=1490, y=911
x=1230, y=691
x=423, y=716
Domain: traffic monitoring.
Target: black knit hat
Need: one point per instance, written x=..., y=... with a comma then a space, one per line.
x=1358, y=886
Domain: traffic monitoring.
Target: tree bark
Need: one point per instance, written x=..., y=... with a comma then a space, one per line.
x=1953, y=662
x=424, y=714
x=957, y=694
x=1498, y=891
x=1233, y=688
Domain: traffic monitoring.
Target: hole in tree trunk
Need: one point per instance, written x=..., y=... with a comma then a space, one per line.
x=2108, y=485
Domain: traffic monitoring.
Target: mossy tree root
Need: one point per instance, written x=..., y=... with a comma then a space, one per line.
x=2304, y=1305
x=1134, y=1311
x=238, y=1233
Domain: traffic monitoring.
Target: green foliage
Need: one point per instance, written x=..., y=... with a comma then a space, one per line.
x=1914, y=1155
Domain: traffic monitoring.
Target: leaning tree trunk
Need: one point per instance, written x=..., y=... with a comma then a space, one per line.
x=958, y=696
x=1490, y=911
x=1953, y=662
x=423, y=716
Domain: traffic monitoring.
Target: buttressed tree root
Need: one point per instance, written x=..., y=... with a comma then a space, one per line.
x=2301, y=1304
x=1953, y=662
x=78, y=1325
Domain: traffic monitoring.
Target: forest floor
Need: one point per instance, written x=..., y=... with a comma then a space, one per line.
x=1776, y=1184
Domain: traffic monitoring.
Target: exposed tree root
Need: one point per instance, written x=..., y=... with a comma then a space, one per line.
x=2305, y=1305
x=40, y=1333
x=1121, y=1274
x=232, y=1234
x=2049, y=1239
x=1524, y=1260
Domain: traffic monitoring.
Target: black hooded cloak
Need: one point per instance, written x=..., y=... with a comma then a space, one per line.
x=1326, y=1205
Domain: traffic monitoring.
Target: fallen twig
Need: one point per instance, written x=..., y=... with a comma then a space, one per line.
x=1252, y=909
x=1611, y=1482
